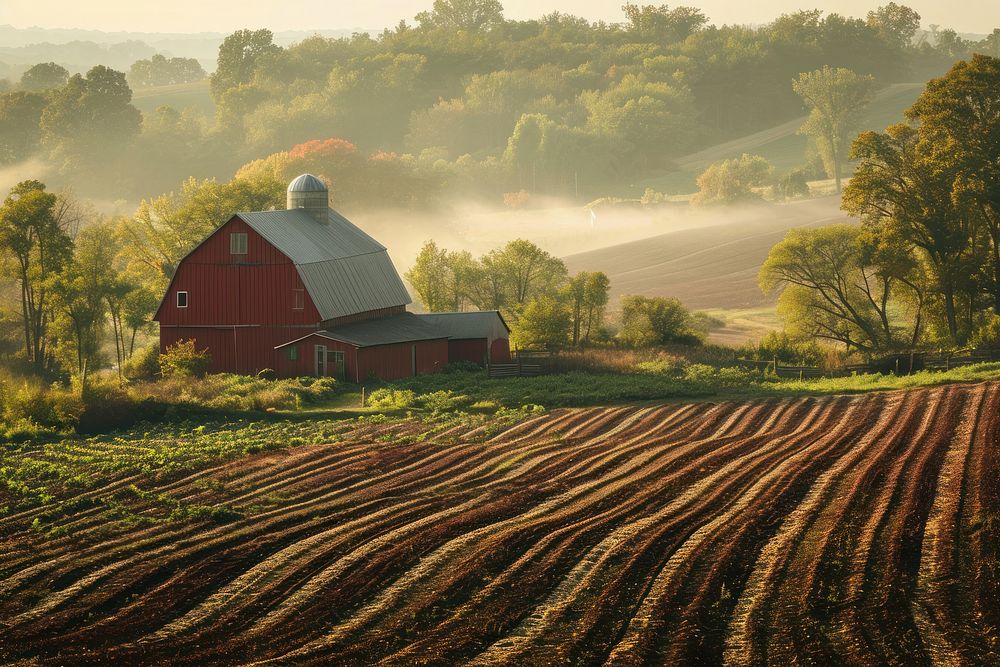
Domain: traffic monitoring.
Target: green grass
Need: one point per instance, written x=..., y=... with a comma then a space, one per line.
x=696, y=382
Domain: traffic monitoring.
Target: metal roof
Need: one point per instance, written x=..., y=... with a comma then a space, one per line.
x=477, y=324
x=344, y=270
x=407, y=327
x=402, y=328
x=307, y=183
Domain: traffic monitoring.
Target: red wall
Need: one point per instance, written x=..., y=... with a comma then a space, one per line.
x=256, y=288
x=500, y=351
x=391, y=362
x=386, y=362
x=472, y=349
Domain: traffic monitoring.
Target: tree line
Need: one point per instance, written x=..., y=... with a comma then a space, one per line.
x=923, y=268
x=72, y=287
x=466, y=100
x=545, y=307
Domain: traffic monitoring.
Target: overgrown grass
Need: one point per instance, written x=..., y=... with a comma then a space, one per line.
x=650, y=382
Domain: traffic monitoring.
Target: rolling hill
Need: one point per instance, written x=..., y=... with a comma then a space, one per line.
x=781, y=144
x=709, y=267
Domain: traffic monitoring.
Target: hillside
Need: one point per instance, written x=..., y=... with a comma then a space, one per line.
x=831, y=530
x=179, y=96
x=781, y=144
x=713, y=266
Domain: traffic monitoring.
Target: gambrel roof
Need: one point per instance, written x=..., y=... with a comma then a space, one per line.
x=344, y=270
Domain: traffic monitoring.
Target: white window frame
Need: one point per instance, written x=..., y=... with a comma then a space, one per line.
x=298, y=299
x=177, y=298
x=238, y=243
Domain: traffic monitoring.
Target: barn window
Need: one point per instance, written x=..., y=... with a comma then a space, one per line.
x=298, y=299
x=293, y=353
x=238, y=243
x=182, y=299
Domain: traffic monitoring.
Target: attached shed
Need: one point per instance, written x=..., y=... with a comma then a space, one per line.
x=481, y=337
x=389, y=348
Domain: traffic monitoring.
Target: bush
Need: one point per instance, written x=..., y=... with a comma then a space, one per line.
x=779, y=345
x=106, y=406
x=224, y=391
x=144, y=365
x=443, y=401
x=988, y=336
x=29, y=404
x=392, y=399
x=182, y=359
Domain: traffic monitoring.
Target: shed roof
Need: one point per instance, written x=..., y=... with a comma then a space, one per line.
x=402, y=328
x=477, y=324
x=344, y=270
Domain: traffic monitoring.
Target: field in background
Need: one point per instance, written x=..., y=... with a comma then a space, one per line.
x=179, y=96
x=780, y=144
x=713, y=267
x=830, y=530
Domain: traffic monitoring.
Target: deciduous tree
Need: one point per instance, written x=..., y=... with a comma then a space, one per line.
x=837, y=99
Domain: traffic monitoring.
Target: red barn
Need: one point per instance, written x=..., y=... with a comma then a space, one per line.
x=305, y=292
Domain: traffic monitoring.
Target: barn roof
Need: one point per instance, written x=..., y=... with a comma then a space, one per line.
x=344, y=270
x=402, y=328
x=477, y=324
x=408, y=327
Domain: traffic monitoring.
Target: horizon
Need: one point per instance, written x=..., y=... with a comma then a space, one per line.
x=111, y=16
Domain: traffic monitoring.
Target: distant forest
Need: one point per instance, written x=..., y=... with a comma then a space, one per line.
x=458, y=102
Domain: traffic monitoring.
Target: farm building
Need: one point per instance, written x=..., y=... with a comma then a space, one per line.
x=304, y=292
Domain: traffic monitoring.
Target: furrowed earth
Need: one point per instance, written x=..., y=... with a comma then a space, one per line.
x=831, y=530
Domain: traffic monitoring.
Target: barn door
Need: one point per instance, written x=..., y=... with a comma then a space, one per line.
x=321, y=361
x=338, y=364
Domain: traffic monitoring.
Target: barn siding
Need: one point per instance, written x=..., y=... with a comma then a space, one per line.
x=224, y=289
x=236, y=349
x=470, y=349
x=392, y=362
x=500, y=351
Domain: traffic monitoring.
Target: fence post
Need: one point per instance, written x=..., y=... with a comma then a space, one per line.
x=362, y=396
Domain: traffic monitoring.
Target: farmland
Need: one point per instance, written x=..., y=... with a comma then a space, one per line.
x=781, y=530
x=711, y=266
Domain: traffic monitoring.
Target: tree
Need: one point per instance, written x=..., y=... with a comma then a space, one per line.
x=731, y=181
x=44, y=76
x=838, y=283
x=663, y=24
x=837, y=99
x=898, y=184
x=657, y=320
x=159, y=70
x=79, y=293
x=20, y=113
x=544, y=324
x=166, y=228
x=587, y=295
x=471, y=16
x=526, y=271
x=897, y=24
x=792, y=184
x=239, y=56
x=959, y=117
x=430, y=277
x=35, y=245
x=89, y=117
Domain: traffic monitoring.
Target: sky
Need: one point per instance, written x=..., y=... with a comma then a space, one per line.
x=966, y=16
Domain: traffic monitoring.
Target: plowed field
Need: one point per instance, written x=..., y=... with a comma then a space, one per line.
x=796, y=531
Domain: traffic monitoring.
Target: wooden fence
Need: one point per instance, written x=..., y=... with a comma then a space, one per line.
x=899, y=364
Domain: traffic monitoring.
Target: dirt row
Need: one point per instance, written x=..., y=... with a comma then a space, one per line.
x=814, y=530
